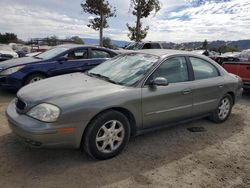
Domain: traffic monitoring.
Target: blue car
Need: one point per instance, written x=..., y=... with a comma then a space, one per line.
x=62, y=59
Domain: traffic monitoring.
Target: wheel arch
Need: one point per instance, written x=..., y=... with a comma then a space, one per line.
x=232, y=95
x=35, y=72
x=122, y=110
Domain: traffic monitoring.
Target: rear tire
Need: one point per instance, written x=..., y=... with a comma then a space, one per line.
x=107, y=135
x=223, y=109
x=34, y=78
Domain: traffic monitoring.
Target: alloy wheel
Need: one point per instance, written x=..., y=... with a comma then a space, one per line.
x=224, y=108
x=110, y=136
x=35, y=79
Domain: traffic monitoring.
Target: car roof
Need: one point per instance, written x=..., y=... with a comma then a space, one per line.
x=165, y=52
x=81, y=45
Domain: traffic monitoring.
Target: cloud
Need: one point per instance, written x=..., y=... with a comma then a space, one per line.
x=34, y=21
x=177, y=21
x=228, y=20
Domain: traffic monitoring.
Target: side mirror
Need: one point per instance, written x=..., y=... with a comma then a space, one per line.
x=160, y=81
x=62, y=59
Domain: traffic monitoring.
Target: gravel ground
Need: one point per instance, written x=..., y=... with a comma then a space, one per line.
x=175, y=157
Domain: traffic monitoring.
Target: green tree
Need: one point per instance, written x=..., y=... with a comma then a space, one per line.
x=141, y=9
x=6, y=38
x=77, y=40
x=107, y=42
x=52, y=40
x=102, y=10
x=227, y=48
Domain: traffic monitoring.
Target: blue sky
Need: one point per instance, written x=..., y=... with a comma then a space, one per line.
x=177, y=21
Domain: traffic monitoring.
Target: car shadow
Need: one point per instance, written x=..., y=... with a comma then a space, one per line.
x=21, y=165
x=6, y=96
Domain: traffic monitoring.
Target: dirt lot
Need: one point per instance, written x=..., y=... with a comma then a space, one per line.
x=176, y=157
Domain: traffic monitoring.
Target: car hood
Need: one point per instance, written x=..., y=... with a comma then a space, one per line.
x=18, y=61
x=66, y=87
x=7, y=52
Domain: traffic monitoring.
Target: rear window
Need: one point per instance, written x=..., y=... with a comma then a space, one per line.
x=203, y=69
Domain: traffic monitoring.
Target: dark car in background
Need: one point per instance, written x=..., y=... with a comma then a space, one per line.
x=211, y=54
x=62, y=59
x=146, y=45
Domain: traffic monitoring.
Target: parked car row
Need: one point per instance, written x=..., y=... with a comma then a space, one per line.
x=6, y=52
x=211, y=54
x=130, y=94
x=146, y=45
x=63, y=59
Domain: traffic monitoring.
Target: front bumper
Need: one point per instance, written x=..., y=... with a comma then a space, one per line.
x=7, y=82
x=41, y=134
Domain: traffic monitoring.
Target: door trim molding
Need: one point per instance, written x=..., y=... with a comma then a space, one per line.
x=169, y=110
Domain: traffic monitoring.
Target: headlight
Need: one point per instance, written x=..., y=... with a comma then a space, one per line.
x=45, y=112
x=10, y=70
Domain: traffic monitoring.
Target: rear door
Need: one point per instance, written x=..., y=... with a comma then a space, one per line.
x=208, y=86
x=163, y=104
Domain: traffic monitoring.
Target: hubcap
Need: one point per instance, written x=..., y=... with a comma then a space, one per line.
x=35, y=79
x=110, y=136
x=224, y=108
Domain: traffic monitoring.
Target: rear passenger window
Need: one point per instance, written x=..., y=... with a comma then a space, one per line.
x=203, y=69
x=100, y=54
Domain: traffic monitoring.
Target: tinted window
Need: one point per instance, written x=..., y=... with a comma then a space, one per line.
x=155, y=46
x=100, y=54
x=174, y=70
x=151, y=46
x=78, y=54
x=203, y=69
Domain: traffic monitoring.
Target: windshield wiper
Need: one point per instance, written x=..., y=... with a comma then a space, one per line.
x=104, y=78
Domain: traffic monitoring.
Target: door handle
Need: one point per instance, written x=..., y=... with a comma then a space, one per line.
x=186, y=91
x=221, y=86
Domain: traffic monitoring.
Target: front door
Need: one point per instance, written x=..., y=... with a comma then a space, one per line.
x=165, y=104
x=77, y=61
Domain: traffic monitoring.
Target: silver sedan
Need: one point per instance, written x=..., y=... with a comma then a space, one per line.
x=128, y=95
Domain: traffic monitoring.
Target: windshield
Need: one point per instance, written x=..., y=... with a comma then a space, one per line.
x=51, y=53
x=125, y=69
x=134, y=46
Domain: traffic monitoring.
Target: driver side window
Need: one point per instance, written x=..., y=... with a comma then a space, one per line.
x=77, y=54
x=174, y=70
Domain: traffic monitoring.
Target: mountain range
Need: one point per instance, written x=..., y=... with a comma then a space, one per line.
x=240, y=44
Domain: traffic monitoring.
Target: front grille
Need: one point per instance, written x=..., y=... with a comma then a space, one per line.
x=20, y=104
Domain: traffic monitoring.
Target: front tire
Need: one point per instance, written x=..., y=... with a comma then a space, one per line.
x=34, y=78
x=107, y=135
x=223, y=110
